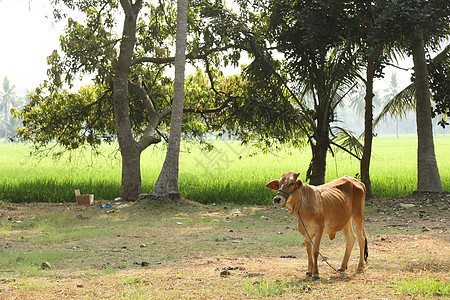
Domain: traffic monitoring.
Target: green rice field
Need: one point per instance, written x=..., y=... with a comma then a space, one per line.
x=231, y=173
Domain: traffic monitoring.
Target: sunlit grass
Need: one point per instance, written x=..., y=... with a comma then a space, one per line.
x=424, y=286
x=231, y=173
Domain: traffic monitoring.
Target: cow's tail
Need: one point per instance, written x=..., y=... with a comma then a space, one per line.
x=366, y=249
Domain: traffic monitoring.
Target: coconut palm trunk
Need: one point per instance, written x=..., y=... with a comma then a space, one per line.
x=428, y=178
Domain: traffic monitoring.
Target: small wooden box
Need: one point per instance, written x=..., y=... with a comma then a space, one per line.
x=84, y=199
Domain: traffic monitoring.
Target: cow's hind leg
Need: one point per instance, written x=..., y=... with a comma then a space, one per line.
x=349, y=242
x=362, y=241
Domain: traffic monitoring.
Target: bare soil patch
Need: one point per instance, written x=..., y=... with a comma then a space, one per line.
x=208, y=252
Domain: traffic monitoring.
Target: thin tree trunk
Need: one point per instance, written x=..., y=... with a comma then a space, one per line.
x=5, y=120
x=131, y=173
x=368, y=126
x=428, y=178
x=167, y=183
x=396, y=126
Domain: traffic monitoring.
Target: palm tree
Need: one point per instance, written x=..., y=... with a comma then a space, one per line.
x=328, y=85
x=167, y=183
x=416, y=97
x=9, y=99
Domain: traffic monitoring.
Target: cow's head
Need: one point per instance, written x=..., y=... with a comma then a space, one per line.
x=288, y=184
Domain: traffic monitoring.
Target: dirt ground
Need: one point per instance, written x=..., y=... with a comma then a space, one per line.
x=408, y=238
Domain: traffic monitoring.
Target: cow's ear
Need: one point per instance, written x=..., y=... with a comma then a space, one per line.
x=299, y=183
x=273, y=185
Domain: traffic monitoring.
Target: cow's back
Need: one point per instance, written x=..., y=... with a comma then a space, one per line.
x=348, y=191
x=348, y=185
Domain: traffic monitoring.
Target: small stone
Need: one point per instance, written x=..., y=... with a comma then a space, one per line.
x=143, y=245
x=225, y=273
x=79, y=285
x=46, y=265
x=145, y=263
x=406, y=205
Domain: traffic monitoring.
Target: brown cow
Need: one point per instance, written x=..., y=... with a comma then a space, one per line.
x=325, y=209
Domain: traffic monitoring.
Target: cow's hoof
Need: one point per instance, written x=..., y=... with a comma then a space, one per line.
x=360, y=270
x=315, y=277
x=309, y=273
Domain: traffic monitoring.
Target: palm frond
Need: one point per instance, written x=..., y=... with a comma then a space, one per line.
x=346, y=141
x=442, y=56
x=403, y=102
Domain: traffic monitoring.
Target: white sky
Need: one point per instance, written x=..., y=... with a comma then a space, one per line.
x=29, y=35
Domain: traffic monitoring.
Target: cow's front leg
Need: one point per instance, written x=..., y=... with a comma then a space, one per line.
x=310, y=257
x=315, y=272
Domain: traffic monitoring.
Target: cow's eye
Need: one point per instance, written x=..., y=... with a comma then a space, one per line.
x=291, y=184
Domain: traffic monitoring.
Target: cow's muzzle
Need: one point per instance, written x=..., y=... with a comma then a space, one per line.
x=282, y=196
x=277, y=200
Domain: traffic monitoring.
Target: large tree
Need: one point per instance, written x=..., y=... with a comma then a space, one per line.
x=131, y=97
x=297, y=96
x=418, y=25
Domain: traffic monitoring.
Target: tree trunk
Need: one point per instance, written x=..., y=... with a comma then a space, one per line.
x=428, y=179
x=131, y=173
x=319, y=160
x=368, y=126
x=167, y=183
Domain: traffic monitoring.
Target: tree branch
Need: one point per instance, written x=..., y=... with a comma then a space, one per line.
x=209, y=110
x=151, y=111
x=127, y=8
x=166, y=60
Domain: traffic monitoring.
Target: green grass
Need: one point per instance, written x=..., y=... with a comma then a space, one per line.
x=264, y=288
x=428, y=287
x=228, y=174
